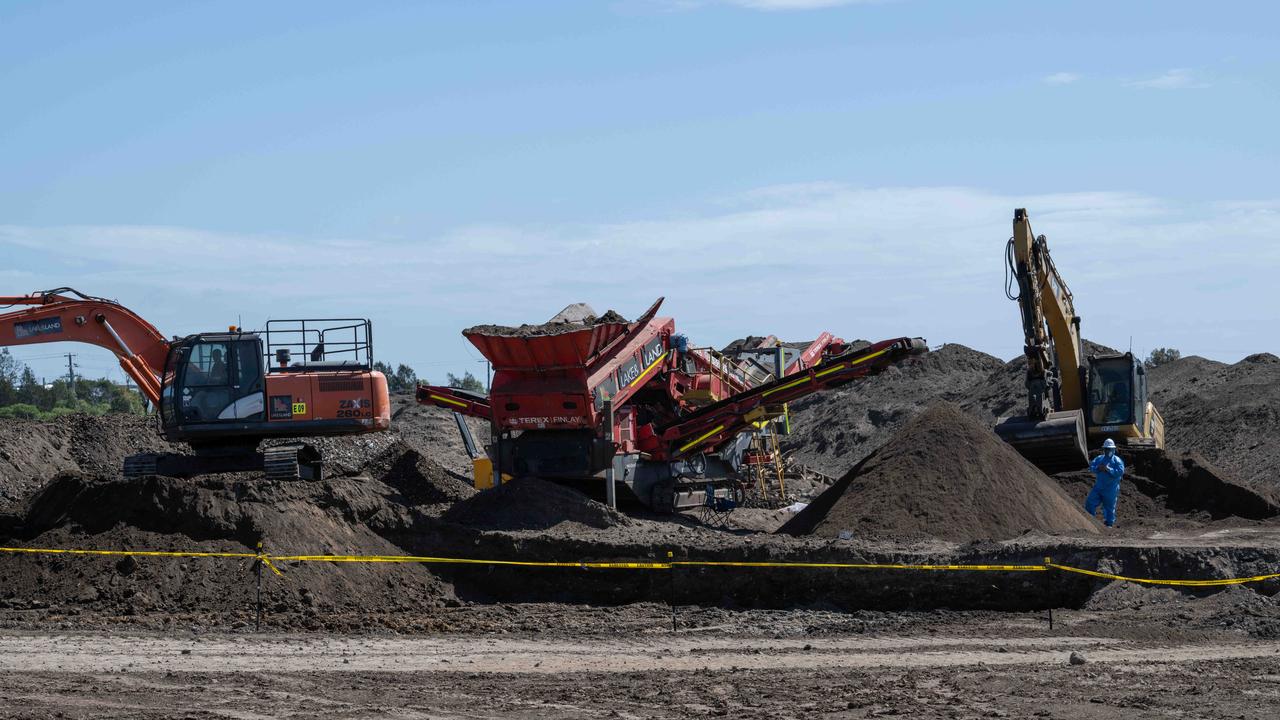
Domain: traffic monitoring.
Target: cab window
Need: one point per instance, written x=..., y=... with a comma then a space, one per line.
x=1111, y=393
x=207, y=365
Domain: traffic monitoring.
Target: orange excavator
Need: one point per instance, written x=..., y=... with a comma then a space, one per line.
x=224, y=393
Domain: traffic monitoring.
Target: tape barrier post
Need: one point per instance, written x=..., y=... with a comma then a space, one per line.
x=257, y=567
x=671, y=588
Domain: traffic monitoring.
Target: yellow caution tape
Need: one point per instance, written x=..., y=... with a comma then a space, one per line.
x=259, y=556
x=469, y=561
x=1217, y=582
x=859, y=566
x=268, y=560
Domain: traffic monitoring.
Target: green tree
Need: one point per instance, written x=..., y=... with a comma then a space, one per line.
x=406, y=378
x=30, y=391
x=1162, y=356
x=10, y=373
x=402, y=379
x=466, y=382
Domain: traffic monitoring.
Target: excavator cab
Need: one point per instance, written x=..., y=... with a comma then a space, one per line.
x=213, y=378
x=1117, y=406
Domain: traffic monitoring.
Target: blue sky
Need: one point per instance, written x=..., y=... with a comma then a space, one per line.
x=781, y=166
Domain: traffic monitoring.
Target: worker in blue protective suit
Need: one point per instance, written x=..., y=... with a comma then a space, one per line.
x=1108, y=468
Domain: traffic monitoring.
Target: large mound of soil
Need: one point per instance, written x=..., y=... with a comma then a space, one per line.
x=433, y=432
x=33, y=452
x=833, y=430
x=944, y=475
x=224, y=513
x=1228, y=413
x=532, y=504
x=64, y=489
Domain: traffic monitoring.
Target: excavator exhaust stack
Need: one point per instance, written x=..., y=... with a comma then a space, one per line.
x=1055, y=444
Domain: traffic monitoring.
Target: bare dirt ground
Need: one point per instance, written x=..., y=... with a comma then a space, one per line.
x=716, y=664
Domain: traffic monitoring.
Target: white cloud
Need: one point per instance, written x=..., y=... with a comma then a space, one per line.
x=1060, y=78
x=791, y=260
x=1175, y=79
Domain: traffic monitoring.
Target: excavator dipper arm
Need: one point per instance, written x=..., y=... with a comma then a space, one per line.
x=1052, y=433
x=65, y=315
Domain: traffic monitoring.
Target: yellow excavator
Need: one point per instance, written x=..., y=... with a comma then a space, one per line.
x=1074, y=402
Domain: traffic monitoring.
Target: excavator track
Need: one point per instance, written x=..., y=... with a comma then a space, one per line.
x=294, y=461
x=291, y=461
x=142, y=465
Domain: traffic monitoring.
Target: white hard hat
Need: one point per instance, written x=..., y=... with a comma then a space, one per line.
x=1109, y=444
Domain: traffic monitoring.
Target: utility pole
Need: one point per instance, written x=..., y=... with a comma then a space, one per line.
x=71, y=373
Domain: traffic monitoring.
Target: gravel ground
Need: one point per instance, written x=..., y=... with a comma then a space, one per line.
x=717, y=664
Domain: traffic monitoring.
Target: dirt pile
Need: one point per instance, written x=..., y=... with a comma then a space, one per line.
x=1234, y=608
x=433, y=432
x=944, y=475
x=532, y=504
x=223, y=513
x=419, y=480
x=1230, y=414
x=32, y=452
x=833, y=430
x=64, y=489
x=1193, y=484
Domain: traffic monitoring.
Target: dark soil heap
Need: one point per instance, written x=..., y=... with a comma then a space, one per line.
x=833, y=430
x=532, y=504
x=32, y=452
x=1230, y=414
x=945, y=475
x=216, y=513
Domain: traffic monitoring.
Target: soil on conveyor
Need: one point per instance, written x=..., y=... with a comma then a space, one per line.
x=943, y=475
x=553, y=327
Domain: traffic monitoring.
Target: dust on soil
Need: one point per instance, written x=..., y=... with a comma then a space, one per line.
x=943, y=475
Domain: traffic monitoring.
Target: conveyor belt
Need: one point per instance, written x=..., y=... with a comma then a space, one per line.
x=709, y=427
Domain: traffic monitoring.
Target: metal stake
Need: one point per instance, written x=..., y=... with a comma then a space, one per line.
x=671, y=590
x=257, y=565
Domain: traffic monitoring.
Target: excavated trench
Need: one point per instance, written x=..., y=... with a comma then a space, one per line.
x=840, y=588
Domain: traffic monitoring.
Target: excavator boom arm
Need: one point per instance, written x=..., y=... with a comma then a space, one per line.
x=64, y=315
x=1050, y=325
